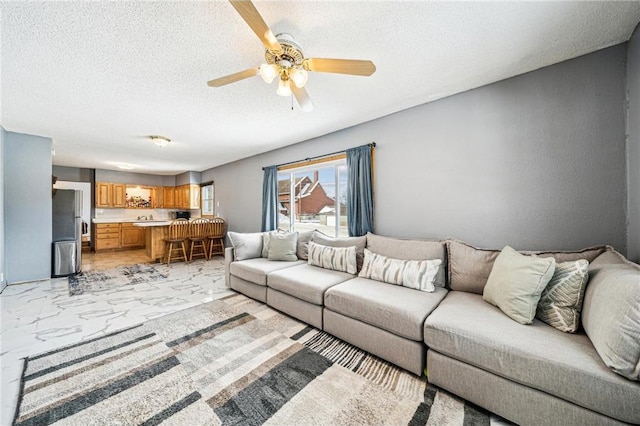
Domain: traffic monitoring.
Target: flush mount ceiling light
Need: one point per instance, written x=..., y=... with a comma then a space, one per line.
x=284, y=60
x=125, y=166
x=161, y=141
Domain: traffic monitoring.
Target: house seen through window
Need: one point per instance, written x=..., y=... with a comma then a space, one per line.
x=314, y=197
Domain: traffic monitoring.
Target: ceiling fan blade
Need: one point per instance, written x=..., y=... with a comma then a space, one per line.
x=303, y=98
x=340, y=66
x=252, y=17
x=232, y=78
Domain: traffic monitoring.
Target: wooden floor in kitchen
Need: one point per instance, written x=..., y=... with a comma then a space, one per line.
x=92, y=261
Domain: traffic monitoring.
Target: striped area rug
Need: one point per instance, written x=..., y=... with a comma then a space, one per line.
x=233, y=361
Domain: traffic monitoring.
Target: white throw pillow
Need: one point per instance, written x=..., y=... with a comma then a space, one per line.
x=336, y=258
x=416, y=274
x=246, y=245
x=516, y=282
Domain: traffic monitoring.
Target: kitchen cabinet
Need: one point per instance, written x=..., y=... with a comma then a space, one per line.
x=157, y=199
x=168, y=197
x=107, y=236
x=113, y=236
x=110, y=194
x=187, y=196
x=131, y=236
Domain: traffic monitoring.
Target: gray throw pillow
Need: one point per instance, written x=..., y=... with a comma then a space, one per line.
x=283, y=247
x=246, y=245
x=516, y=282
x=416, y=274
x=561, y=301
x=303, y=244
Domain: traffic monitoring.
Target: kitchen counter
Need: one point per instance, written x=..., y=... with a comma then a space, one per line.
x=96, y=220
x=148, y=223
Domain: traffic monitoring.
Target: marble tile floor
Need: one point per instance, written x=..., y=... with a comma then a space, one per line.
x=110, y=259
x=40, y=316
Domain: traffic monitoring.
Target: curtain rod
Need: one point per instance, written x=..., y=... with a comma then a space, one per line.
x=370, y=145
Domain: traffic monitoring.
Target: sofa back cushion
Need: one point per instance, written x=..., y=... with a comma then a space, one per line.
x=246, y=245
x=402, y=249
x=336, y=258
x=358, y=242
x=611, y=312
x=469, y=267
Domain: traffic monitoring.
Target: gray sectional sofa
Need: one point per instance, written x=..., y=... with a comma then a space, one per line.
x=529, y=374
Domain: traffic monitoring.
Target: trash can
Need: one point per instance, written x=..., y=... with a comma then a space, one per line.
x=64, y=258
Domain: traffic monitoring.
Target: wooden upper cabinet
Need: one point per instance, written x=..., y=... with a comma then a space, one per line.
x=119, y=195
x=110, y=194
x=194, y=198
x=104, y=195
x=168, y=197
x=157, y=197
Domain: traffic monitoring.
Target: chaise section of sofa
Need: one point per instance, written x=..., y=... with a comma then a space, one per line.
x=559, y=365
x=539, y=375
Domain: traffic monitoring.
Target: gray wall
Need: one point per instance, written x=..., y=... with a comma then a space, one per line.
x=633, y=146
x=73, y=174
x=188, y=177
x=536, y=161
x=27, y=196
x=3, y=266
x=134, y=178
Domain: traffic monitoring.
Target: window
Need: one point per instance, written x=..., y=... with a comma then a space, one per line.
x=207, y=199
x=314, y=197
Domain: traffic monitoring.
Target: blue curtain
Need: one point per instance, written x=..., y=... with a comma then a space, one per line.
x=359, y=191
x=270, y=199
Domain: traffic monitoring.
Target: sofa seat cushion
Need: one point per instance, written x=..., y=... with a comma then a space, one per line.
x=256, y=270
x=565, y=365
x=399, y=310
x=306, y=282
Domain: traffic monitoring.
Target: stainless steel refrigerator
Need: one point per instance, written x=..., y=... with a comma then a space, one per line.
x=67, y=232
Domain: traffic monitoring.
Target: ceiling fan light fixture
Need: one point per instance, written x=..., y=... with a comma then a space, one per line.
x=161, y=141
x=299, y=77
x=268, y=72
x=283, y=88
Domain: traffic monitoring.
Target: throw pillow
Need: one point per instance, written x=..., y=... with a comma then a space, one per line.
x=416, y=274
x=303, y=244
x=283, y=247
x=266, y=236
x=469, y=267
x=246, y=245
x=561, y=301
x=611, y=312
x=405, y=249
x=358, y=242
x=516, y=282
x=336, y=258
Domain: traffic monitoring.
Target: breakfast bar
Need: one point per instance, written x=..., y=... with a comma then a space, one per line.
x=154, y=234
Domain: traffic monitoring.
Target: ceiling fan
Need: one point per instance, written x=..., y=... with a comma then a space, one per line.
x=285, y=60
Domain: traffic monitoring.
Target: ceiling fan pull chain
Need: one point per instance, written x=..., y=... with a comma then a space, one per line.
x=291, y=102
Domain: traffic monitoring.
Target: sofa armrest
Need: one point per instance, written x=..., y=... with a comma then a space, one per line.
x=229, y=257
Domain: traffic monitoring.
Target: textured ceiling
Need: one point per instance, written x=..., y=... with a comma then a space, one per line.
x=99, y=77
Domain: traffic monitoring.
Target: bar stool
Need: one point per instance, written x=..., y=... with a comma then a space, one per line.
x=198, y=229
x=178, y=233
x=217, y=232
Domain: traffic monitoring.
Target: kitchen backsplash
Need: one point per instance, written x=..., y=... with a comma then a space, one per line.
x=129, y=214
